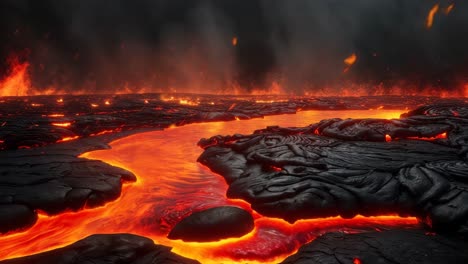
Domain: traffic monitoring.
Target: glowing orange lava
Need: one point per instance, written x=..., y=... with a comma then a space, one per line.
x=65, y=139
x=171, y=185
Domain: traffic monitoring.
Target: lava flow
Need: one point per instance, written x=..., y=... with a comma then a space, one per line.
x=171, y=185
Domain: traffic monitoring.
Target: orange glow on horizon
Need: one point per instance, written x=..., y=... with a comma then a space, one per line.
x=171, y=185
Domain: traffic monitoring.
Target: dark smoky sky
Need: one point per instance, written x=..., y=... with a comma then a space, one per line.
x=107, y=45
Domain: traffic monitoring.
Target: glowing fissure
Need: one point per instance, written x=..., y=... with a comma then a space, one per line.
x=389, y=138
x=171, y=185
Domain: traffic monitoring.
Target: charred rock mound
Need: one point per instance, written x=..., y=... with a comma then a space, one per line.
x=53, y=183
x=214, y=224
x=388, y=247
x=103, y=249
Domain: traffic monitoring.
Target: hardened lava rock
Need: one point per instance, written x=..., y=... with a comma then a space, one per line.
x=213, y=224
x=415, y=165
x=31, y=181
x=387, y=247
x=104, y=249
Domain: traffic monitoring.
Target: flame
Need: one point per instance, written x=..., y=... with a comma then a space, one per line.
x=107, y=102
x=94, y=105
x=350, y=61
x=171, y=185
x=235, y=41
x=431, y=14
x=17, y=83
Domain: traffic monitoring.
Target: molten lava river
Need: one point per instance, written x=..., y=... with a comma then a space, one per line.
x=171, y=185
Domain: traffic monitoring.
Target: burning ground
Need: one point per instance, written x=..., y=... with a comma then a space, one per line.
x=285, y=187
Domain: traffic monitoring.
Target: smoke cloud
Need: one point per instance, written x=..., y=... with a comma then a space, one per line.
x=186, y=45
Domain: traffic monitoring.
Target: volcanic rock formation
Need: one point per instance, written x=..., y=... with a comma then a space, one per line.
x=387, y=247
x=53, y=183
x=213, y=224
x=109, y=248
x=348, y=167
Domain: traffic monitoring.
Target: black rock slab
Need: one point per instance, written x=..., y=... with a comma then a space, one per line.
x=32, y=181
x=14, y=216
x=213, y=224
x=387, y=247
x=105, y=249
x=348, y=167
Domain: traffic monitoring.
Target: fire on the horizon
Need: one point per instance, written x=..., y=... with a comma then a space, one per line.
x=172, y=186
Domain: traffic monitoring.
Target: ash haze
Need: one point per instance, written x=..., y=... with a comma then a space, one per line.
x=187, y=45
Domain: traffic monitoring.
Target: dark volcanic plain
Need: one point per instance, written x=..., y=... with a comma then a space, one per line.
x=415, y=165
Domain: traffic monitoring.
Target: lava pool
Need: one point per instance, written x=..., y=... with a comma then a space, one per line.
x=171, y=185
